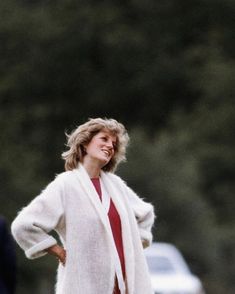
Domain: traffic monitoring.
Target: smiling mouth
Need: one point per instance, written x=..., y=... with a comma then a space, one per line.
x=106, y=152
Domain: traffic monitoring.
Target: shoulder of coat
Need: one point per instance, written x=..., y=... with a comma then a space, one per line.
x=115, y=178
x=64, y=176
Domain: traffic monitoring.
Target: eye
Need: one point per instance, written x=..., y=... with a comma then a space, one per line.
x=104, y=138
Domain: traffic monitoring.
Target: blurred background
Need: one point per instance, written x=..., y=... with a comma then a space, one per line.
x=166, y=70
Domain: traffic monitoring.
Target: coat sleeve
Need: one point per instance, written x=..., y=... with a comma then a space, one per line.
x=33, y=224
x=144, y=214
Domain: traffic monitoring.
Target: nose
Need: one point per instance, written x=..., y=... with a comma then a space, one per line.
x=109, y=144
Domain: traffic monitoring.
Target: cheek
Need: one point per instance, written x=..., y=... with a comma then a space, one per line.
x=90, y=149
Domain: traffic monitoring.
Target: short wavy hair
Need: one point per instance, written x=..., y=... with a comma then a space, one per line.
x=83, y=134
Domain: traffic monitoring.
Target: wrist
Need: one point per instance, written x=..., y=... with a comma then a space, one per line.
x=55, y=250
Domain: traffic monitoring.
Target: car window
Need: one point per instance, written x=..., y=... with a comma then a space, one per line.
x=160, y=264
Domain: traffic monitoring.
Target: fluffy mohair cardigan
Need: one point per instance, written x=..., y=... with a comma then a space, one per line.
x=70, y=206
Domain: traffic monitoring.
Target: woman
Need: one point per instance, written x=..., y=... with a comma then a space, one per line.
x=102, y=224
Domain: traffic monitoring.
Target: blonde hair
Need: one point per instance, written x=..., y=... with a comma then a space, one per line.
x=84, y=133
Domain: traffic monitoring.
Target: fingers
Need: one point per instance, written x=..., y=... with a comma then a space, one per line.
x=62, y=261
x=62, y=257
x=59, y=252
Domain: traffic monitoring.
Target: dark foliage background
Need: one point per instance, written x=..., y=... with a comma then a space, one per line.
x=166, y=70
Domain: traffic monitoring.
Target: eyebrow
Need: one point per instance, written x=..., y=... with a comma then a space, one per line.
x=108, y=134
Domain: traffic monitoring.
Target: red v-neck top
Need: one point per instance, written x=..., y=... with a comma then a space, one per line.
x=115, y=224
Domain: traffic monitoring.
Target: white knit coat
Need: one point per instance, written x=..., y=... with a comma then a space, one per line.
x=70, y=206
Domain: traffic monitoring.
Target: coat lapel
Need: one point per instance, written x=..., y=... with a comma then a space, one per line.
x=89, y=189
x=120, y=204
x=115, y=194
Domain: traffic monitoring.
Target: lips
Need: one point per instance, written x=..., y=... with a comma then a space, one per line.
x=106, y=152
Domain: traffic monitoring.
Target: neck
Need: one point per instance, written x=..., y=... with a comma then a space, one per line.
x=92, y=168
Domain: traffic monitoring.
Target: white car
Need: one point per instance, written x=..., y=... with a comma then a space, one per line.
x=169, y=272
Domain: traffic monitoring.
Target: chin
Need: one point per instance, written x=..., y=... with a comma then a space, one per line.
x=105, y=162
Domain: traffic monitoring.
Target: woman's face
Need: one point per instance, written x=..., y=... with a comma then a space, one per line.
x=101, y=148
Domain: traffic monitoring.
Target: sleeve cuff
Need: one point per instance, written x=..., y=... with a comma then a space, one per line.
x=38, y=250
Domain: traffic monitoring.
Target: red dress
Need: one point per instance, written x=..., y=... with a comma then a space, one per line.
x=116, y=227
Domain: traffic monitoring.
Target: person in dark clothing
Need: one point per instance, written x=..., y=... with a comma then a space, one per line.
x=7, y=260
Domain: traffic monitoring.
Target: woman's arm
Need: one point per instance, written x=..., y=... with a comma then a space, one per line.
x=144, y=214
x=32, y=225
